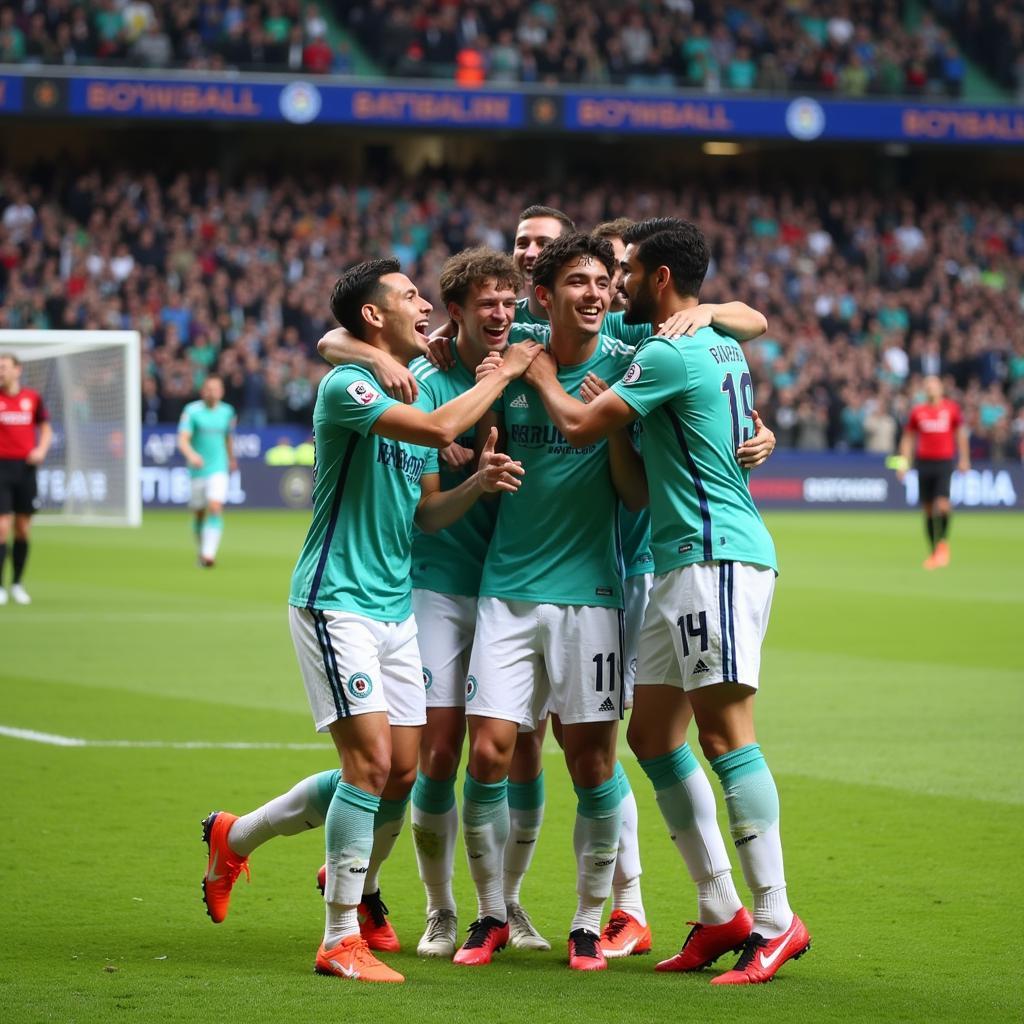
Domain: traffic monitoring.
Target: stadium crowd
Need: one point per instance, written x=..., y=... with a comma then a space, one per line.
x=849, y=48
x=864, y=293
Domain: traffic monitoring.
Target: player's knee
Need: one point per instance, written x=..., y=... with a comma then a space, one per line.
x=400, y=782
x=640, y=739
x=21, y=531
x=591, y=767
x=489, y=758
x=440, y=759
x=369, y=767
x=715, y=742
x=215, y=508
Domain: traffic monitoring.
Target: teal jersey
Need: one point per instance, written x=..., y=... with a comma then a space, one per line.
x=556, y=539
x=451, y=561
x=358, y=552
x=696, y=399
x=524, y=316
x=209, y=429
x=614, y=325
x=635, y=538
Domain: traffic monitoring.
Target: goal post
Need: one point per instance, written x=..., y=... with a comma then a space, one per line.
x=90, y=383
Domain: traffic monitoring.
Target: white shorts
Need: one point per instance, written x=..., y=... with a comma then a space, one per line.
x=705, y=624
x=530, y=656
x=635, y=592
x=448, y=622
x=352, y=665
x=205, y=489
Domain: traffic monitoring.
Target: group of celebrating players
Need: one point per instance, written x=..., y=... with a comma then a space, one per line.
x=546, y=517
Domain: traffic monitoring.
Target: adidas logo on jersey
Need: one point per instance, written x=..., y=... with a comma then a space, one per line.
x=519, y=402
x=700, y=667
x=607, y=705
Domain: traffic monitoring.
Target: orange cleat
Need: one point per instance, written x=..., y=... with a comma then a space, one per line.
x=941, y=555
x=585, y=951
x=707, y=942
x=374, y=925
x=624, y=935
x=487, y=936
x=351, y=958
x=223, y=865
x=761, y=958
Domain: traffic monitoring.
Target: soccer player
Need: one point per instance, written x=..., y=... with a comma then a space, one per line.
x=25, y=437
x=714, y=564
x=205, y=439
x=350, y=603
x=941, y=435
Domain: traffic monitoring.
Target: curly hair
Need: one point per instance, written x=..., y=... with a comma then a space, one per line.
x=477, y=266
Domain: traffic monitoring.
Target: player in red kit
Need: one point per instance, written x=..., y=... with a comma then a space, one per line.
x=25, y=436
x=940, y=432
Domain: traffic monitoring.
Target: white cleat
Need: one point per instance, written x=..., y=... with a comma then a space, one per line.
x=20, y=594
x=441, y=935
x=522, y=934
x=3, y=596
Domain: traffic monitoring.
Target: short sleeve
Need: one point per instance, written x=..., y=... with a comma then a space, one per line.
x=185, y=423
x=431, y=464
x=42, y=416
x=657, y=373
x=957, y=419
x=615, y=326
x=353, y=399
x=912, y=421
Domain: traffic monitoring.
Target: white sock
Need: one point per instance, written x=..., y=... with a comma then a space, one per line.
x=772, y=913
x=387, y=827
x=435, y=839
x=596, y=842
x=485, y=829
x=626, y=879
x=717, y=899
x=210, y=540
x=524, y=828
x=303, y=807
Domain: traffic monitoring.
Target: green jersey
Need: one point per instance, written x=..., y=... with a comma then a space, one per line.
x=696, y=400
x=357, y=553
x=209, y=430
x=451, y=561
x=556, y=539
x=614, y=325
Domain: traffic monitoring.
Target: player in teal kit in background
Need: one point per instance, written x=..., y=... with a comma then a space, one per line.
x=714, y=564
x=205, y=439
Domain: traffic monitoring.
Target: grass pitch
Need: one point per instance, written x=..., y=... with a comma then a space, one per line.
x=891, y=713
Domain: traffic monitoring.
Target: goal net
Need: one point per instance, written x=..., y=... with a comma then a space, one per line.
x=89, y=381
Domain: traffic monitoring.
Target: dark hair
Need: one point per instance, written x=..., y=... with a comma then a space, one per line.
x=475, y=266
x=613, y=228
x=572, y=247
x=356, y=287
x=642, y=229
x=683, y=250
x=547, y=211
x=10, y=355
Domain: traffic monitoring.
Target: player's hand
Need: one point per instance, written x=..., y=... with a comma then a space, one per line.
x=35, y=457
x=439, y=352
x=963, y=466
x=195, y=460
x=687, y=321
x=517, y=358
x=592, y=386
x=497, y=471
x=541, y=369
x=490, y=363
x=754, y=452
x=396, y=380
x=456, y=455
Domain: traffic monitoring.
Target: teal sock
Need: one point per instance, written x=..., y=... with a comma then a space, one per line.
x=348, y=831
x=435, y=831
x=687, y=803
x=753, y=805
x=526, y=813
x=625, y=789
x=596, y=842
x=485, y=828
x=432, y=795
x=387, y=827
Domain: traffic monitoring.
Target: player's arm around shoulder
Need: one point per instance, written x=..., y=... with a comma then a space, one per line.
x=338, y=347
x=736, y=319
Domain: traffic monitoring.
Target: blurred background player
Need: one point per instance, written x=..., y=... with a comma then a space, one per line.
x=935, y=435
x=25, y=437
x=707, y=615
x=205, y=438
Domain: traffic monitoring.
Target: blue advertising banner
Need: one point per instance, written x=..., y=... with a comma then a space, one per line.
x=276, y=98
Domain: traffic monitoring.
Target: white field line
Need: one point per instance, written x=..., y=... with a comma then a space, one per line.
x=54, y=740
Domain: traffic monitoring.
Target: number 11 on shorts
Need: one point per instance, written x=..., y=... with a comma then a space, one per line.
x=599, y=661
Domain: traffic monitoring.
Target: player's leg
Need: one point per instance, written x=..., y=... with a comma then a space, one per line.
x=24, y=507
x=6, y=521
x=657, y=734
x=941, y=513
x=723, y=705
x=499, y=691
x=197, y=506
x=526, y=813
x=212, y=528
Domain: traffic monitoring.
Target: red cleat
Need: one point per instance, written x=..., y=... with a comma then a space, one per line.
x=352, y=959
x=585, y=951
x=707, y=942
x=223, y=865
x=486, y=937
x=373, y=922
x=624, y=935
x=941, y=555
x=761, y=958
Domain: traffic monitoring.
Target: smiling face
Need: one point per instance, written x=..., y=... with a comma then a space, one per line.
x=486, y=316
x=641, y=303
x=532, y=235
x=403, y=314
x=580, y=296
x=619, y=300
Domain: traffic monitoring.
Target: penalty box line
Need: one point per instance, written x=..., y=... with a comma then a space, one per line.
x=54, y=740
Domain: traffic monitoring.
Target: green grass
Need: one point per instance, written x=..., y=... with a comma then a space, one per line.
x=891, y=713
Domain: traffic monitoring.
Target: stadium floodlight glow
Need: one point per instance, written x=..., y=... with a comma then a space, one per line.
x=722, y=149
x=90, y=384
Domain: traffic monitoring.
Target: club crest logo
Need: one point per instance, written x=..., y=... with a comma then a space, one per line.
x=360, y=685
x=471, y=688
x=428, y=679
x=632, y=375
